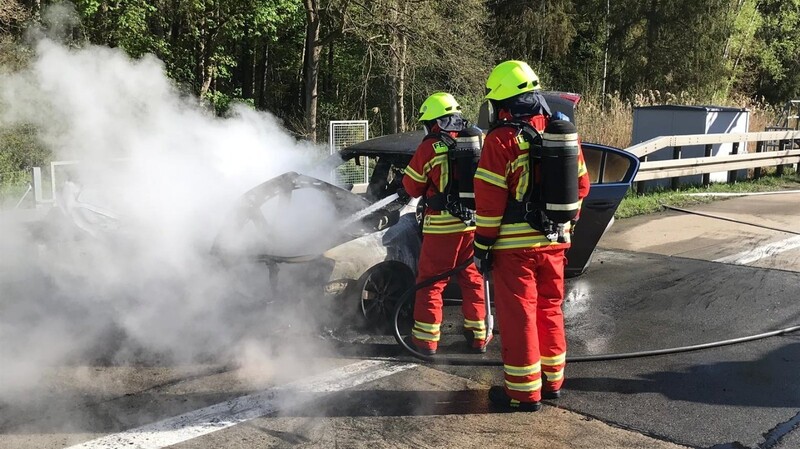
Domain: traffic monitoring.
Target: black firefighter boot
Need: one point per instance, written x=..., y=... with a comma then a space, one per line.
x=500, y=399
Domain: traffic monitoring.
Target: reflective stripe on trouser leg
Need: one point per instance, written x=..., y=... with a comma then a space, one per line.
x=426, y=333
x=550, y=317
x=471, y=282
x=437, y=256
x=515, y=296
x=478, y=329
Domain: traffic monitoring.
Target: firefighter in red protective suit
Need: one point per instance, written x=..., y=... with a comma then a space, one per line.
x=439, y=173
x=515, y=239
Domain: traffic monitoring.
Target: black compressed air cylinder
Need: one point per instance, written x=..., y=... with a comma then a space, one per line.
x=559, y=171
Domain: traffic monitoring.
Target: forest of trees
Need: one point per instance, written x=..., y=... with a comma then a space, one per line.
x=310, y=61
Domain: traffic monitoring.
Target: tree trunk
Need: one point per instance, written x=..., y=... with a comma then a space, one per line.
x=393, y=119
x=328, y=84
x=651, y=42
x=401, y=85
x=394, y=73
x=311, y=67
x=206, y=70
x=262, y=75
x=204, y=66
x=246, y=66
x=605, y=56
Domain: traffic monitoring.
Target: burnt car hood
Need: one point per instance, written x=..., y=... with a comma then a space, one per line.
x=295, y=218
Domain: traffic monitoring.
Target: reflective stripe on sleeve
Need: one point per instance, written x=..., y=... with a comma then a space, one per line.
x=488, y=222
x=491, y=178
x=414, y=175
x=481, y=245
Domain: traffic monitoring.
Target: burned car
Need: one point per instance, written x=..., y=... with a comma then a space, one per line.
x=366, y=254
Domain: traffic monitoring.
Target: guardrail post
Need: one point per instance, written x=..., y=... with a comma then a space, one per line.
x=759, y=149
x=37, y=184
x=781, y=147
x=796, y=145
x=640, y=184
x=707, y=176
x=676, y=154
x=732, y=173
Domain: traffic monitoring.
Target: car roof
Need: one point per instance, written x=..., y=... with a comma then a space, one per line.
x=405, y=144
x=398, y=144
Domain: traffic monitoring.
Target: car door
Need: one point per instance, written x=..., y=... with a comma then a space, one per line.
x=611, y=172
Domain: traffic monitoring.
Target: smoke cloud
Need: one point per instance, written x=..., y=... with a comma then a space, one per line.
x=122, y=272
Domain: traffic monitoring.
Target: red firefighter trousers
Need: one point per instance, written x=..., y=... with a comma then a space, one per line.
x=529, y=291
x=441, y=253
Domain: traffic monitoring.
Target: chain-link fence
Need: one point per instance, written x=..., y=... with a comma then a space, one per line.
x=343, y=134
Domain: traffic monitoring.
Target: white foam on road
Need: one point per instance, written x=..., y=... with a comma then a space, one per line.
x=761, y=252
x=235, y=411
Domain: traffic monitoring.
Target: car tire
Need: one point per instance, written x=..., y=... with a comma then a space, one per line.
x=379, y=290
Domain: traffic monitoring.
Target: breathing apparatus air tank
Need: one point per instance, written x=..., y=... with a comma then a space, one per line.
x=465, y=154
x=559, y=171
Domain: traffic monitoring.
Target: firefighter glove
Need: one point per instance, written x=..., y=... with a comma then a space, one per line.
x=483, y=254
x=403, y=196
x=483, y=260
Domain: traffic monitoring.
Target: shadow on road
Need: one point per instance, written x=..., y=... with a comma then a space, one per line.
x=769, y=381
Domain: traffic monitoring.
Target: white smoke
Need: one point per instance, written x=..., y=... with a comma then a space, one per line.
x=169, y=171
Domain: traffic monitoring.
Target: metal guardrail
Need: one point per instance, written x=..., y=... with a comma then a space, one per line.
x=677, y=167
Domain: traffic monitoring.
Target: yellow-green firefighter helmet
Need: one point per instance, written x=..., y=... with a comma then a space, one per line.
x=510, y=78
x=438, y=105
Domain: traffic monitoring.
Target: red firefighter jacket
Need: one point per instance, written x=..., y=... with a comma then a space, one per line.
x=428, y=174
x=503, y=175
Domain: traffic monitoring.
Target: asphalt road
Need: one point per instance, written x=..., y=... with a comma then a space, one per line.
x=669, y=279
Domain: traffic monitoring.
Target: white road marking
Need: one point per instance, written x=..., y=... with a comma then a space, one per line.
x=761, y=252
x=235, y=411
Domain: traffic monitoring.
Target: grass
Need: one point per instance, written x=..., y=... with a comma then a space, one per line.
x=634, y=204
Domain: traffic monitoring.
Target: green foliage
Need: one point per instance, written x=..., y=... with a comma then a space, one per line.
x=20, y=149
x=776, y=63
x=380, y=58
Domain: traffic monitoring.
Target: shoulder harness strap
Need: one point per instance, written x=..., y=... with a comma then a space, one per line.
x=448, y=199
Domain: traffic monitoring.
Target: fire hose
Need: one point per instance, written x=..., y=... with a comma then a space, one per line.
x=409, y=294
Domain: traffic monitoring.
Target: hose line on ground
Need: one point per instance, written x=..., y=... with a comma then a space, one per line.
x=581, y=358
x=732, y=220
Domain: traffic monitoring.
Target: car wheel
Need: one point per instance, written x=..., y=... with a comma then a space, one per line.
x=380, y=289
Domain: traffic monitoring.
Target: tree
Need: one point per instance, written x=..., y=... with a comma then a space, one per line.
x=12, y=14
x=420, y=47
x=336, y=16
x=776, y=62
